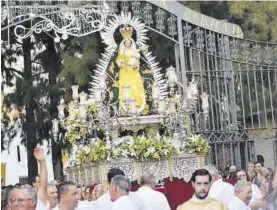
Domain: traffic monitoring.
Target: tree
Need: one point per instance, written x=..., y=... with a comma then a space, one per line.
x=31, y=90
x=257, y=19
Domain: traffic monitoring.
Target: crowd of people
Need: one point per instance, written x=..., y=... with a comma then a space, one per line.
x=254, y=189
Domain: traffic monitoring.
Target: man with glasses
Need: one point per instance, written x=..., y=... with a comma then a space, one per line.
x=26, y=197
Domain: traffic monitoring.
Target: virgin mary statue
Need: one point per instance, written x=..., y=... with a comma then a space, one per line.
x=128, y=61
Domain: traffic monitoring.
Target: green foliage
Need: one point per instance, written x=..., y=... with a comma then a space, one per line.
x=148, y=149
x=257, y=19
x=141, y=149
x=196, y=144
x=90, y=154
x=79, y=60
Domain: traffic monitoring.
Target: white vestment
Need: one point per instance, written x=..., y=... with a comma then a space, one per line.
x=152, y=199
x=124, y=203
x=237, y=204
x=222, y=192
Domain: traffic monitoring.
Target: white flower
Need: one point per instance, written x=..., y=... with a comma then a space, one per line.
x=142, y=137
x=86, y=149
x=115, y=152
x=133, y=154
x=125, y=153
x=166, y=151
x=151, y=150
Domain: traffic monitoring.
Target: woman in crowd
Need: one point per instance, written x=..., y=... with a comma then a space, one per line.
x=250, y=171
x=99, y=190
x=266, y=189
x=257, y=177
x=88, y=194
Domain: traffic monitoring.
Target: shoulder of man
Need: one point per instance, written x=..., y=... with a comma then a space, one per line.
x=103, y=200
x=227, y=184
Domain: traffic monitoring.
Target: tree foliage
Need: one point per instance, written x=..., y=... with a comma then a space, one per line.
x=258, y=20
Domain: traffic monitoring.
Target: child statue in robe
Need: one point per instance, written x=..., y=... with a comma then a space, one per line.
x=128, y=61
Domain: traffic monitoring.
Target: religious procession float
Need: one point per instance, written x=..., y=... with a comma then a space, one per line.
x=136, y=116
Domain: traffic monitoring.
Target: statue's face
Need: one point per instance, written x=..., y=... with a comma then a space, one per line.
x=128, y=43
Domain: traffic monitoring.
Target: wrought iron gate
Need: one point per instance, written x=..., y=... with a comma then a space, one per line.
x=240, y=75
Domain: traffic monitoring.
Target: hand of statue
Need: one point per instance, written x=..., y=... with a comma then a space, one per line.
x=137, y=55
x=39, y=154
x=120, y=63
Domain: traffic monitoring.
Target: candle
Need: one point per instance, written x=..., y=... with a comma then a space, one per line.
x=75, y=89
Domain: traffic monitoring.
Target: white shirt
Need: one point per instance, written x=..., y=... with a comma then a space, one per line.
x=42, y=206
x=82, y=205
x=222, y=192
x=104, y=202
x=137, y=201
x=124, y=203
x=237, y=204
x=152, y=199
x=256, y=194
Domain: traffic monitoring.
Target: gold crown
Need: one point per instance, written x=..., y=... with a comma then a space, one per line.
x=126, y=32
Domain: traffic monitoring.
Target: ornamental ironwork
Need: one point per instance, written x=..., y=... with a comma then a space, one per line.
x=239, y=74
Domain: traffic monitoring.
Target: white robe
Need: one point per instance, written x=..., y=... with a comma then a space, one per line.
x=222, y=192
x=152, y=199
x=124, y=203
x=237, y=204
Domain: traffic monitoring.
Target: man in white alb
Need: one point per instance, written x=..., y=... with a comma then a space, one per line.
x=221, y=191
x=119, y=190
x=151, y=198
x=243, y=194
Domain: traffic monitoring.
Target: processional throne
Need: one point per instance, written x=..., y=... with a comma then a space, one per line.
x=130, y=92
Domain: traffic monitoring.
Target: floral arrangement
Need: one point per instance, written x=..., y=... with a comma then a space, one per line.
x=141, y=148
x=147, y=148
x=93, y=154
x=196, y=144
x=77, y=130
